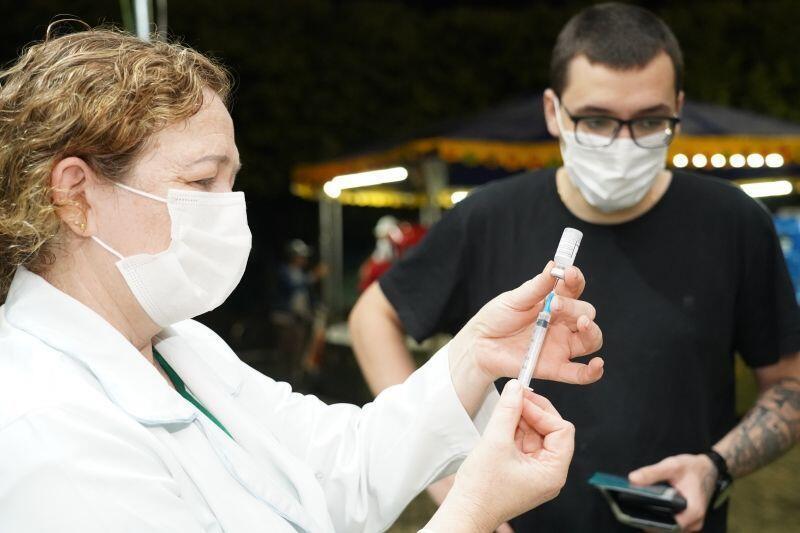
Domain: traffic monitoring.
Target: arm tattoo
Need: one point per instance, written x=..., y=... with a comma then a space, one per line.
x=768, y=430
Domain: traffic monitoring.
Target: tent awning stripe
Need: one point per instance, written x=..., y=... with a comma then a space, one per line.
x=518, y=156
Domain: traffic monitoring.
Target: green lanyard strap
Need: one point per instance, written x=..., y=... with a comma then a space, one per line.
x=179, y=385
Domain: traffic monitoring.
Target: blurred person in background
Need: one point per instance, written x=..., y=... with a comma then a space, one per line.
x=690, y=265
x=387, y=234
x=296, y=317
x=296, y=281
x=118, y=225
x=392, y=239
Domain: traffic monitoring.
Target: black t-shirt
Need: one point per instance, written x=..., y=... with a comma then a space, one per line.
x=678, y=291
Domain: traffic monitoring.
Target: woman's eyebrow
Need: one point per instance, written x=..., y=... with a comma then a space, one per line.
x=219, y=158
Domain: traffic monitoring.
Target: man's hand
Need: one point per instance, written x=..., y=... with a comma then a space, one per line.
x=694, y=476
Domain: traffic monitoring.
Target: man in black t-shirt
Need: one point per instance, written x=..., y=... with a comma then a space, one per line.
x=684, y=271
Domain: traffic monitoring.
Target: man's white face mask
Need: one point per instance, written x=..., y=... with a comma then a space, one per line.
x=613, y=177
x=205, y=260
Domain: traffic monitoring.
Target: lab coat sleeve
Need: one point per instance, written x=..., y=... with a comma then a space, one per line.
x=372, y=461
x=63, y=469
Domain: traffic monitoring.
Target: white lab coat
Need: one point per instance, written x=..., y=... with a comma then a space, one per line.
x=92, y=438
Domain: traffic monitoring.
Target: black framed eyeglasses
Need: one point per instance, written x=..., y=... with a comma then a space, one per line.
x=599, y=131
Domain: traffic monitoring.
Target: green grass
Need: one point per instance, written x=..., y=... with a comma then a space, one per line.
x=768, y=501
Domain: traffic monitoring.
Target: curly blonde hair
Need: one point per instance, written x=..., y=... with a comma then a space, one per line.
x=99, y=95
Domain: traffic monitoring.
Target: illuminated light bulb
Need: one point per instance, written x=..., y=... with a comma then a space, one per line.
x=332, y=190
x=680, y=161
x=718, y=160
x=737, y=160
x=755, y=160
x=774, y=160
x=699, y=160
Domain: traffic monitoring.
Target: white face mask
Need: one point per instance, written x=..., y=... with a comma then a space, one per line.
x=205, y=259
x=614, y=177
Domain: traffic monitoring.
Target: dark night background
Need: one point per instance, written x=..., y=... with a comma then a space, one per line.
x=319, y=78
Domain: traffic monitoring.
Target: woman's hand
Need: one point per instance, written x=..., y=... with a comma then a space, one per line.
x=494, y=342
x=521, y=462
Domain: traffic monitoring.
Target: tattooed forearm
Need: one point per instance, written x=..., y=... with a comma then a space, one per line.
x=768, y=430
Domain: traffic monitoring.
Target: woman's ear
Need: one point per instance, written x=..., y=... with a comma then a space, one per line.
x=69, y=181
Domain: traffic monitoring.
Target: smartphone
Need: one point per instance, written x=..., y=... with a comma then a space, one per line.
x=651, y=506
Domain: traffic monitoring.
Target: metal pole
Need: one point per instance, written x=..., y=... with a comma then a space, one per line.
x=141, y=10
x=161, y=20
x=434, y=172
x=337, y=269
x=325, y=238
x=330, y=249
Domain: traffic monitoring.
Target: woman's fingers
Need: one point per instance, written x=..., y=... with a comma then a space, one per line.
x=543, y=427
x=579, y=373
x=568, y=310
x=505, y=418
x=531, y=442
x=558, y=434
x=573, y=284
x=588, y=338
x=530, y=293
x=541, y=402
x=519, y=437
x=534, y=291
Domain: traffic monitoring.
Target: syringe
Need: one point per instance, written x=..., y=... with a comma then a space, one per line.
x=565, y=257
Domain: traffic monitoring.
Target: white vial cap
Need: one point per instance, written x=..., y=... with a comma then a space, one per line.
x=566, y=251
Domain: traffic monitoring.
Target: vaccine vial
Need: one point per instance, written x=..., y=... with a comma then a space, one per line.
x=566, y=251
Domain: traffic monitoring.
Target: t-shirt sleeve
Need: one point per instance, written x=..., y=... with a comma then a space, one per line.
x=427, y=287
x=767, y=315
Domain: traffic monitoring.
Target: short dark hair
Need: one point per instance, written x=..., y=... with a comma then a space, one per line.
x=620, y=36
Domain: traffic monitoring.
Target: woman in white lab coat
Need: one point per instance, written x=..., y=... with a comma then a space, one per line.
x=119, y=413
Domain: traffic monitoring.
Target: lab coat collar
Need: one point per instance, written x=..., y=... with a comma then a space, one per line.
x=65, y=324
x=190, y=340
